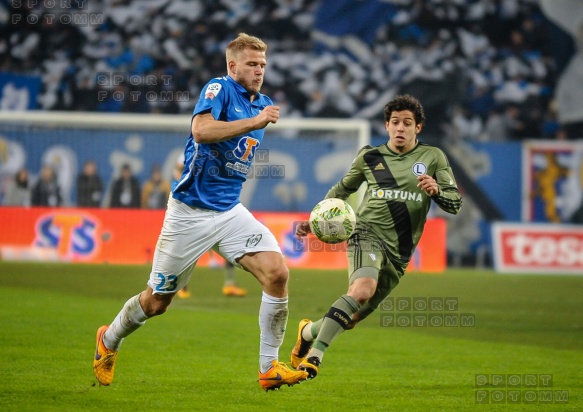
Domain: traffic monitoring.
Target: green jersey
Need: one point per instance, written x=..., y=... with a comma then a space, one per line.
x=394, y=209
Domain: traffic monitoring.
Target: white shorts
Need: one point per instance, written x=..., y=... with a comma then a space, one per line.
x=189, y=232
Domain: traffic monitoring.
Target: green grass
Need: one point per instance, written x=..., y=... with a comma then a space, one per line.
x=203, y=353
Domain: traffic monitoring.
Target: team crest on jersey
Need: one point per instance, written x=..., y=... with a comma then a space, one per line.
x=245, y=149
x=244, y=153
x=419, y=169
x=212, y=90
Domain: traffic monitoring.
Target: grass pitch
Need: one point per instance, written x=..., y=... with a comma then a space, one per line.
x=203, y=353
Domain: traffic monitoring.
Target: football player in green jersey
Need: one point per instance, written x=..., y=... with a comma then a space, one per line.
x=403, y=176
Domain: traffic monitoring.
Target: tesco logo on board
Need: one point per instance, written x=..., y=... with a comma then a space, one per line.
x=538, y=248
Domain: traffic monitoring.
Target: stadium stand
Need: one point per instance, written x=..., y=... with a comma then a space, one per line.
x=485, y=70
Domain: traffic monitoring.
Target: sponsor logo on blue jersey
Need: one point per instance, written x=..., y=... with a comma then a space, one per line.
x=244, y=152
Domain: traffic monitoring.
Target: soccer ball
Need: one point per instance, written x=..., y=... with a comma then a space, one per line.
x=332, y=220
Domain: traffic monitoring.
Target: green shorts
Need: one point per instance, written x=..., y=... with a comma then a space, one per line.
x=366, y=251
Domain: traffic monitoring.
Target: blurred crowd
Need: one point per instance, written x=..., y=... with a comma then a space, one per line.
x=126, y=190
x=485, y=70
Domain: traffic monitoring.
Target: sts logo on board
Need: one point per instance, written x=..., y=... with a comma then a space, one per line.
x=72, y=235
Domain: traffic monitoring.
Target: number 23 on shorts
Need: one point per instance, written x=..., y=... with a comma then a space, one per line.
x=168, y=283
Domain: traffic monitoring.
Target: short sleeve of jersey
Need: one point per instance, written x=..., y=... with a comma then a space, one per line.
x=212, y=98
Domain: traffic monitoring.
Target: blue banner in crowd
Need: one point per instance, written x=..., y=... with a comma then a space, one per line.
x=18, y=93
x=348, y=17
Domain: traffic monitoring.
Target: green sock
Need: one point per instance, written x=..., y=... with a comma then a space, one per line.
x=314, y=329
x=334, y=323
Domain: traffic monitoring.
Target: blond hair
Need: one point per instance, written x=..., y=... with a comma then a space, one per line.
x=243, y=41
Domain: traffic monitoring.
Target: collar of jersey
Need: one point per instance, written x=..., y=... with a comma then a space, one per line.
x=402, y=154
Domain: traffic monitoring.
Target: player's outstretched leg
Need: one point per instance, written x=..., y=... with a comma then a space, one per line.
x=333, y=324
x=104, y=360
x=278, y=375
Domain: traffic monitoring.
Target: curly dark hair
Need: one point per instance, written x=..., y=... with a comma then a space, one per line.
x=405, y=102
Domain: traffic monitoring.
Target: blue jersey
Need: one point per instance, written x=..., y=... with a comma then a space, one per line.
x=214, y=173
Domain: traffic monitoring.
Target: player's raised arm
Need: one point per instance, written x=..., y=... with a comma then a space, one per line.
x=205, y=129
x=219, y=116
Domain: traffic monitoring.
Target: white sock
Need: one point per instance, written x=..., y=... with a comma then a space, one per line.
x=273, y=314
x=307, y=332
x=130, y=318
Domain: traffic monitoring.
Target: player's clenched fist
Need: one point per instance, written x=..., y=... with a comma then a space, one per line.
x=270, y=114
x=428, y=185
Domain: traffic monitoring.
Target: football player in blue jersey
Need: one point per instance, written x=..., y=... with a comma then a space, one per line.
x=204, y=213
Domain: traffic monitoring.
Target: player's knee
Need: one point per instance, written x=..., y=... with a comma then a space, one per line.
x=364, y=286
x=278, y=275
x=155, y=306
x=361, y=294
